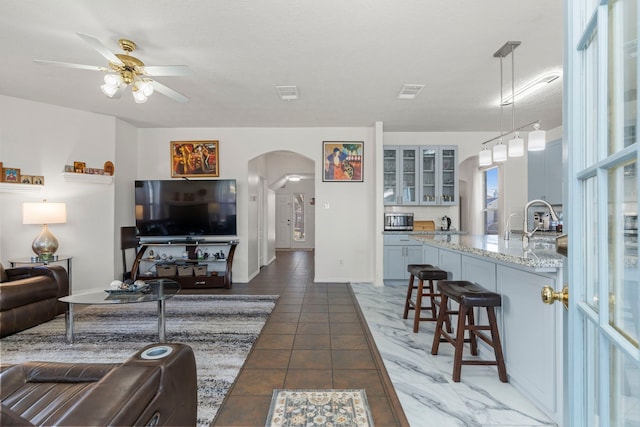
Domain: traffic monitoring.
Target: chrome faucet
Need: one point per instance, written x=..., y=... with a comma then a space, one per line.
x=526, y=234
x=507, y=227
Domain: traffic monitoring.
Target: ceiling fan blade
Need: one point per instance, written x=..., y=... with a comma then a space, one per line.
x=169, y=92
x=102, y=49
x=69, y=65
x=167, y=70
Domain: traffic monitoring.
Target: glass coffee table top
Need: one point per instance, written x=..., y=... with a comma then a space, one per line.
x=158, y=289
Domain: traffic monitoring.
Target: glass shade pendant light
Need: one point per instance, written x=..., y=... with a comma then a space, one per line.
x=516, y=146
x=537, y=139
x=485, y=157
x=500, y=152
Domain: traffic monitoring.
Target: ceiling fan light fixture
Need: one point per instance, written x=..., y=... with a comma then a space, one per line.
x=138, y=96
x=113, y=80
x=145, y=87
x=109, y=90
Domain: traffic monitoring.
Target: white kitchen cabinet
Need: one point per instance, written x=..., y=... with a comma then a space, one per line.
x=451, y=262
x=400, y=251
x=532, y=336
x=425, y=175
x=438, y=175
x=400, y=175
x=545, y=173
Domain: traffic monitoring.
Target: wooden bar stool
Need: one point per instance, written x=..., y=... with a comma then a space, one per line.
x=429, y=273
x=469, y=295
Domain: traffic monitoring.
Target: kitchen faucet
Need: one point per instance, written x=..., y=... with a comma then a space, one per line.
x=526, y=234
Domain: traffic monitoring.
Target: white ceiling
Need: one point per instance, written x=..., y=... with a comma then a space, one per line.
x=348, y=58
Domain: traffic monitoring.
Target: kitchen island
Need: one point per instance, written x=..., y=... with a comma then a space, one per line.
x=531, y=332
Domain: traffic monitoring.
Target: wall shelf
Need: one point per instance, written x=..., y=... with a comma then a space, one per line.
x=87, y=177
x=6, y=187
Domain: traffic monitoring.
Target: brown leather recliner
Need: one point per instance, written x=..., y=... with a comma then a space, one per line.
x=140, y=391
x=30, y=295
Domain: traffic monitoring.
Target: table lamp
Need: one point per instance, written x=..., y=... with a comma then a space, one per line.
x=46, y=244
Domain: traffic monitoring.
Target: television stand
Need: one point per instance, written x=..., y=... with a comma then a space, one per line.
x=193, y=264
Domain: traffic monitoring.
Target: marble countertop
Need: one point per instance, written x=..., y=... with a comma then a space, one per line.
x=540, y=255
x=430, y=233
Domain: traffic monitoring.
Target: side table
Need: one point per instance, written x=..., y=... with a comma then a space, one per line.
x=36, y=261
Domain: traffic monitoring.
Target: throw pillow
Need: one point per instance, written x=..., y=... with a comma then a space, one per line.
x=3, y=275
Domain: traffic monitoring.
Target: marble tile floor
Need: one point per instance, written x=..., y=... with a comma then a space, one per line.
x=423, y=382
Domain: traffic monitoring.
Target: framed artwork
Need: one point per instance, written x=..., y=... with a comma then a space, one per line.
x=11, y=175
x=194, y=159
x=38, y=180
x=26, y=179
x=78, y=167
x=342, y=161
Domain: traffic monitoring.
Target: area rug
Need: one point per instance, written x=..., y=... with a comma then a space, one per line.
x=221, y=330
x=321, y=408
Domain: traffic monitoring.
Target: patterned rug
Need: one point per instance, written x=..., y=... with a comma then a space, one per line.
x=319, y=408
x=220, y=329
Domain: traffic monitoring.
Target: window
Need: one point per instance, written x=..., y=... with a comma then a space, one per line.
x=298, y=217
x=491, y=199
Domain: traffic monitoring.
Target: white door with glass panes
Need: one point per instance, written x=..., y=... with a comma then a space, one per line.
x=601, y=208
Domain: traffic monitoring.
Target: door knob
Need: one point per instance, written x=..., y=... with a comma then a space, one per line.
x=549, y=296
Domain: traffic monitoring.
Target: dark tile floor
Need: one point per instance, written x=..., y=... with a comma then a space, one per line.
x=315, y=338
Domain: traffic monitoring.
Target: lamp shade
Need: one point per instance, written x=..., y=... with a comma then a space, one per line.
x=500, y=152
x=44, y=213
x=537, y=139
x=484, y=158
x=516, y=147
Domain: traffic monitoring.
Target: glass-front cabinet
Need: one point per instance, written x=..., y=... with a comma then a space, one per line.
x=390, y=160
x=438, y=175
x=401, y=177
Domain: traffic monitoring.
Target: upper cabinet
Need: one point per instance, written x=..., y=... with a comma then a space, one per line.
x=421, y=175
x=401, y=175
x=545, y=173
x=439, y=175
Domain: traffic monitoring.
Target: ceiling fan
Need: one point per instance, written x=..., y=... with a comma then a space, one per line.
x=125, y=70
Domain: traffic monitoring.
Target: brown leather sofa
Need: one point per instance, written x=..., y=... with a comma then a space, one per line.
x=29, y=296
x=139, y=392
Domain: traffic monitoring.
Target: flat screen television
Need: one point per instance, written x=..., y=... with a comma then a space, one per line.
x=185, y=209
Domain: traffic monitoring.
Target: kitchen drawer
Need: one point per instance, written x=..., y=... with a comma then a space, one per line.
x=400, y=240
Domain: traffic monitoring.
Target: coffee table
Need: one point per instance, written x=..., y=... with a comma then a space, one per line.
x=159, y=290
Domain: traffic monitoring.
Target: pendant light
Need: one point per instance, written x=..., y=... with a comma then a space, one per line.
x=500, y=152
x=537, y=138
x=485, y=158
x=516, y=146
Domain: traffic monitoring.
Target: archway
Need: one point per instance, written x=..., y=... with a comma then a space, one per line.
x=285, y=175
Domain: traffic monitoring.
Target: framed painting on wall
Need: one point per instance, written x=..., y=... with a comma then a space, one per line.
x=342, y=161
x=194, y=159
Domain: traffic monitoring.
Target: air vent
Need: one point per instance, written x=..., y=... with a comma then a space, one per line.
x=410, y=91
x=287, y=93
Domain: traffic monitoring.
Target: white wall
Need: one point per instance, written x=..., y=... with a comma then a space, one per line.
x=344, y=251
x=40, y=139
